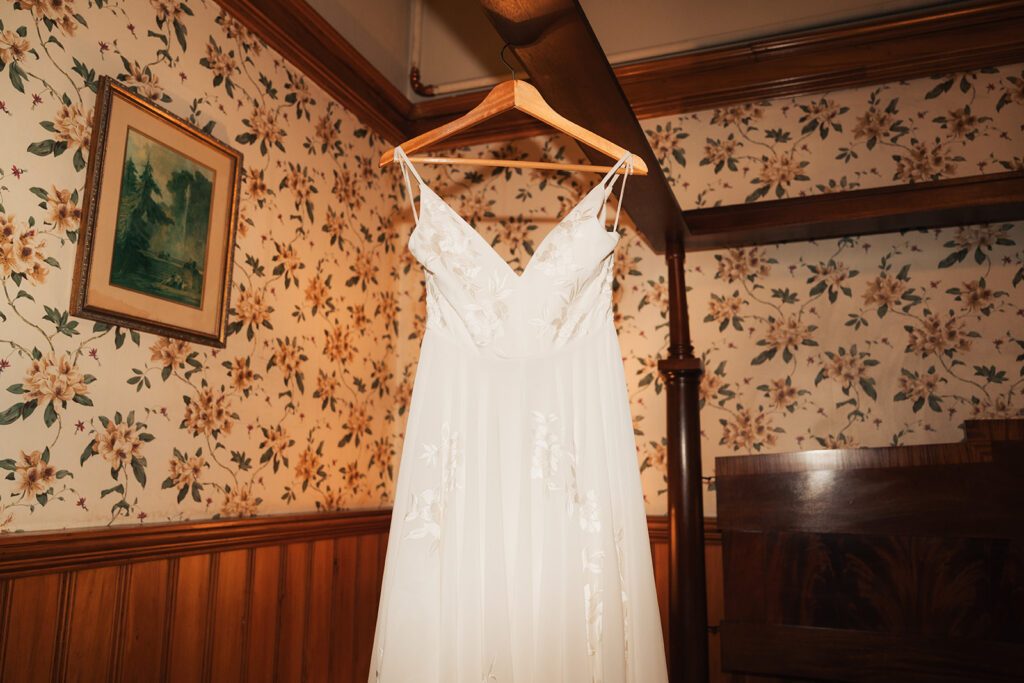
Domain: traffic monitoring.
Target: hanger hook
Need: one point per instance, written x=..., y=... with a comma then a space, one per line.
x=502, y=56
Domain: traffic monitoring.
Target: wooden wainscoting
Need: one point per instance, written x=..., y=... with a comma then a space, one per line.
x=287, y=598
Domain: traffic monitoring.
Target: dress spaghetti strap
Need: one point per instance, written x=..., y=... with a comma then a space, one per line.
x=626, y=159
x=406, y=166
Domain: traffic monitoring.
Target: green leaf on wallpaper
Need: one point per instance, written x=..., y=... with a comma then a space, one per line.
x=8, y=464
x=680, y=156
x=758, y=193
x=269, y=88
x=239, y=458
x=88, y=75
x=18, y=77
x=954, y=258
x=78, y=160
x=114, y=489
x=87, y=453
x=180, y=32
x=42, y=148
x=83, y=400
x=765, y=355
x=16, y=389
x=990, y=373
x=160, y=36
x=10, y=415
x=868, y=385
x=28, y=408
x=49, y=415
x=942, y=87
x=139, y=470
x=787, y=296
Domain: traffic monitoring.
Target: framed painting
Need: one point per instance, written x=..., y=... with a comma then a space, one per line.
x=159, y=217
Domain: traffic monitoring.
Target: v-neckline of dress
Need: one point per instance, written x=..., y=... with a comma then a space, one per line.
x=466, y=225
x=469, y=227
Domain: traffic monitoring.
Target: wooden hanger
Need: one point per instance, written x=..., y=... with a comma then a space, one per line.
x=520, y=95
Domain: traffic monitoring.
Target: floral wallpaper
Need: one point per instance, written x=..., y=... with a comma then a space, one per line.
x=104, y=425
x=863, y=341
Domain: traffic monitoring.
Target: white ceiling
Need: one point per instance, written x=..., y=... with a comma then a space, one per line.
x=457, y=49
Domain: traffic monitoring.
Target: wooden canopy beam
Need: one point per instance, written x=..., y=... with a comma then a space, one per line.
x=553, y=40
x=966, y=200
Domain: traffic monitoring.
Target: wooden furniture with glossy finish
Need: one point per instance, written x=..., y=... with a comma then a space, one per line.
x=877, y=564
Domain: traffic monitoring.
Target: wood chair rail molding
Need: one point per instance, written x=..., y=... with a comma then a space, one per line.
x=947, y=38
x=49, y=551
x=941, y=203
x=46, y=551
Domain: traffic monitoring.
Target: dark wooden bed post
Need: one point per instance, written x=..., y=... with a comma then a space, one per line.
x=687, y=599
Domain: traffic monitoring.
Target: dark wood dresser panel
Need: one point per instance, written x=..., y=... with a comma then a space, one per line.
x=888, y=564
x=287, y=598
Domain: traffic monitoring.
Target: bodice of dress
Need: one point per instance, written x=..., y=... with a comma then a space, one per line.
x=476, y=299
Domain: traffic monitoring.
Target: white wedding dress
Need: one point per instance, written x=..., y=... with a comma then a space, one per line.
x=518, y=548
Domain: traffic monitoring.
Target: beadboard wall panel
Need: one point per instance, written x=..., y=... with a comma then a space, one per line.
x=265, y=599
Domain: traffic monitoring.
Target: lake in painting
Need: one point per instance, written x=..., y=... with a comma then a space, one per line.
x=163, y=222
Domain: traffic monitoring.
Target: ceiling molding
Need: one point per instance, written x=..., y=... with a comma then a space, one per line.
x=940, y=40
x=944, y=39
x=305, y=39
x=956, y=201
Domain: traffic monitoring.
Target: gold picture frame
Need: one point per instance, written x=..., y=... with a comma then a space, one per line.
x=158, y=222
